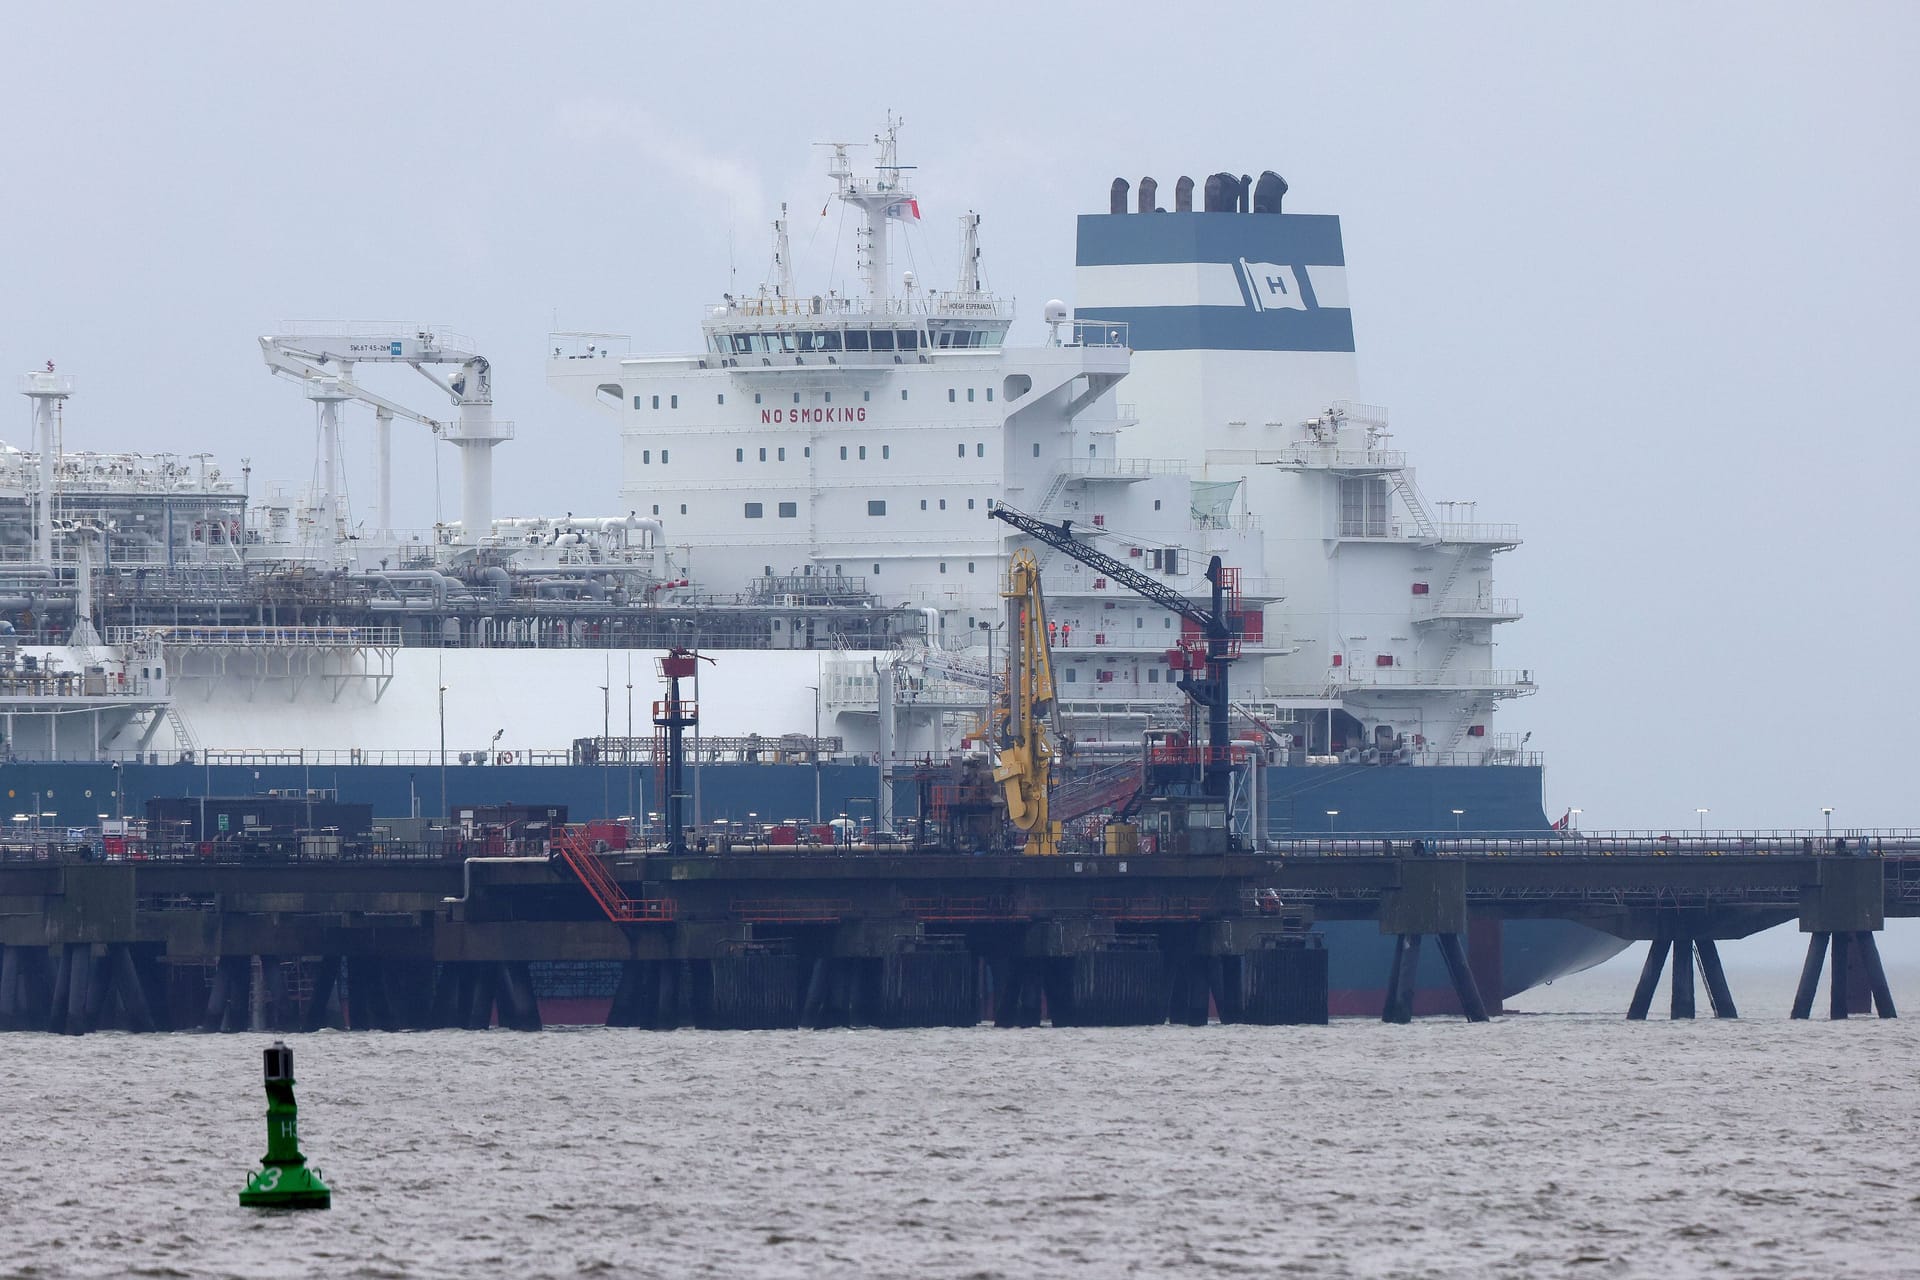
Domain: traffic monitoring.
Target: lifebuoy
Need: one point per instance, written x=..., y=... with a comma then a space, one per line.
x=505, y=757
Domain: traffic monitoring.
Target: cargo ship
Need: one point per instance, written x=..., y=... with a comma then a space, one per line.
x=804, y=499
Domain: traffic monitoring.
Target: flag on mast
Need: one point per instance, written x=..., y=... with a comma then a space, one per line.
x=904, y=210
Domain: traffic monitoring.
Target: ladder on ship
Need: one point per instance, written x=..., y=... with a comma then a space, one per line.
x=577, y=851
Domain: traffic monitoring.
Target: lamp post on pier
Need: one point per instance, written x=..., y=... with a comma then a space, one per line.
x=1826, y=811
x=1703, y=822
x=1456, y=820
x=1331, y=815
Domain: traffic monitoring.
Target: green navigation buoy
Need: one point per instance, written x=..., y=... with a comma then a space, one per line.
x=284, y=1181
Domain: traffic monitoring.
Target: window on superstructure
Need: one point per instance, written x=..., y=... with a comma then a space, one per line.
x=969, y=566
x=863, y=453
x=683, y=508
x=656, y=508
x=856, y=339
x=788, y=510
x=960, y=450
x=876, y=507
x=980, y=449
x=753, y=511
x=763, y=455
x=806, y=451
x=908, y=339
x=843, y=453
x=829, y=341
x=1072, y=676
x=903, y=393
x=951, y=395
x=656, y=402
x=663, y=457
x=866, y=396
x=742, y=343
x=969, y=395
x=796, y=397
x=886, y=451
x=882, y=339
x=943, y=504
x=827, y=397
x=969, y=504
x=673, y=402
x=1153, y=675
x=1156, y=504
x=780, y=455
x=943, y=566
x=636, y=402
x=646, y=456
x=989, y=395
x=1363, y=507
x=739, y=455
x=756, y=397
x=923, y=504
x=720, y=399
x=1036, y=448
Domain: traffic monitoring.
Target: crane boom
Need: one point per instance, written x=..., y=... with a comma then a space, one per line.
x=1210, y=691
x=1022, y=735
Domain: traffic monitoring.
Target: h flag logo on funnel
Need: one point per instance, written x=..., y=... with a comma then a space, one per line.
x=1271, y=286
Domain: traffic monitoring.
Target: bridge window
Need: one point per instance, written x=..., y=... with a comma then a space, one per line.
x=882, y=339
x=908, y=339
x=856, y=339
x=753, y=511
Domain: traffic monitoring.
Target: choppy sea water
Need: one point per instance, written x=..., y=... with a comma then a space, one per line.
x=1553, y=1143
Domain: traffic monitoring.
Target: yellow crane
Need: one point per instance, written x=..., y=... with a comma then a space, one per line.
x=1022, y=732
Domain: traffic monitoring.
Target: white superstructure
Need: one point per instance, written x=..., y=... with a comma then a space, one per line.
x=1202, y=400
x=820, y=435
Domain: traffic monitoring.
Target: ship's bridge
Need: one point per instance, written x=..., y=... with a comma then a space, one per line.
x=763, y=328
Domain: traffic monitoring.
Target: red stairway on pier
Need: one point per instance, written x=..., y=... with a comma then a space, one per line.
x=576, y=848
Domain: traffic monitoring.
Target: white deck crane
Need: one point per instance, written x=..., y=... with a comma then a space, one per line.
x=321, y=357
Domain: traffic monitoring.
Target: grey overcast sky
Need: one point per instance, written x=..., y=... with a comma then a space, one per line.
x=1639, y=276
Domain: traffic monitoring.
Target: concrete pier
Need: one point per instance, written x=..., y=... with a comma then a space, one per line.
x=787, y=938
